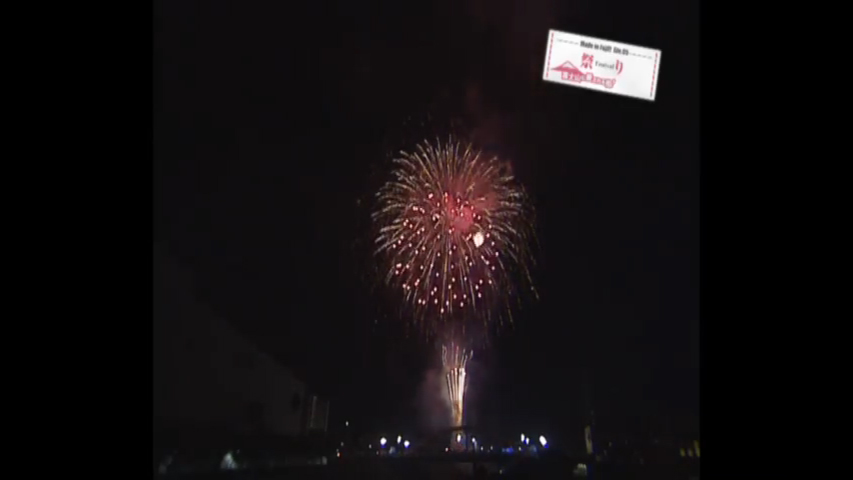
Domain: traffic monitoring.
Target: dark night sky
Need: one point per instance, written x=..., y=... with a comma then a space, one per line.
x=272, y=122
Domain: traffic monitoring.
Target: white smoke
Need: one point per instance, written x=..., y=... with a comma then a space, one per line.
x=433, y=403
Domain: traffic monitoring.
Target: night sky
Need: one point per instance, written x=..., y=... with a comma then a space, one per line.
x=272, y=128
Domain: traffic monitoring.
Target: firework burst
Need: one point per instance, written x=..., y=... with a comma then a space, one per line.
x=455, y=361
x=453, y=228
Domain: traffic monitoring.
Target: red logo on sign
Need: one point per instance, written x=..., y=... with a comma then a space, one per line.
x=571, y=73
x=586, y=61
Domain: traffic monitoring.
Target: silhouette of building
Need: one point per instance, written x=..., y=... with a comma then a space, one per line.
x=589, y=429
x=208, y=378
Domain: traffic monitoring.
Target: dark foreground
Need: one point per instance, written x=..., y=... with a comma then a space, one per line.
x=414, y=468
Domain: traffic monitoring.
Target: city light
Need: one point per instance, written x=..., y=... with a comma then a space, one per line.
x=346, y=423
x=383, y=441
x=543, y=441
x=228, y=462
x=399, y=439
x=406, y=444
x=458, y=438
x=527, y=441
x=522, y=438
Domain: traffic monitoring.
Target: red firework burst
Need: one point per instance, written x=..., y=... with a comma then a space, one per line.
x=453, y=225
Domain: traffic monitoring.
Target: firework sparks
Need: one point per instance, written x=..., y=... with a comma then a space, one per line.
x=455, y=360
x=452, y=225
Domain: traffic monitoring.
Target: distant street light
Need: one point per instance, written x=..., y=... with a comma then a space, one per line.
x=383, y=441
x=543, y=441
x=406, y=444
x=399, y=439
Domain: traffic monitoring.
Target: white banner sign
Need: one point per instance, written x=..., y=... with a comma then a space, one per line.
x=601, y=65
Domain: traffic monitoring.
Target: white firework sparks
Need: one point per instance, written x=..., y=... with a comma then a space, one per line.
x=455, y=359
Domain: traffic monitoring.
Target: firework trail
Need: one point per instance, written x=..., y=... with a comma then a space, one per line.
x=455, y=360
x=453, y=225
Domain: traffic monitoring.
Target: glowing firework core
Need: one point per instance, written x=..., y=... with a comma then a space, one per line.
x=479, y=239
x=455, y=360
